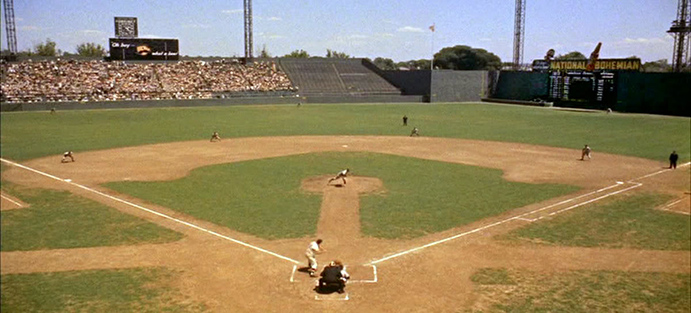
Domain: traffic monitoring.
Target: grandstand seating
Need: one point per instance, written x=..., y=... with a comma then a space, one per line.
x=335, y=76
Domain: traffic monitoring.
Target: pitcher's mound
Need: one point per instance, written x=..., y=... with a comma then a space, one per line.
x=360, y=184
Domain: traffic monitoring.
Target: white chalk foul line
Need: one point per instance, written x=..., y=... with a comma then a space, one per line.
x=10, y=200
x=518, y=217
x=521, y=217
x=666, y=207
x=660, y=171
x=153, y=212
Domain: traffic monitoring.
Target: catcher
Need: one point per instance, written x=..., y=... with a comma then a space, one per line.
x=333, y=276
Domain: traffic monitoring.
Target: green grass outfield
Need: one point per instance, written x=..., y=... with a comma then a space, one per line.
x=27, y=135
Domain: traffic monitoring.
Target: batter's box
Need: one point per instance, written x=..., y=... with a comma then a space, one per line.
x=362, y=273
x=358, y=274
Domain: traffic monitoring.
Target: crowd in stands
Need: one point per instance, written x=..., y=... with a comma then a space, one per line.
x=72, y=80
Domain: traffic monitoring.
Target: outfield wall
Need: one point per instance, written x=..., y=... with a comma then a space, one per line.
x=636, y=92
x=657, y=93
x=458, y=86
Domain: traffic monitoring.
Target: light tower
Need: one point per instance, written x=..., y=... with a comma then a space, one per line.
x=10, y=29
x=248, y=30
x=680, y=30
x=519, y=34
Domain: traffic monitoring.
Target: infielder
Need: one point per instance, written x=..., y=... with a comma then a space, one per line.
x=313, y=249
x=342, y=175
x=415, y=132
x=585, y=153
x=66, y=155
x=215, y=137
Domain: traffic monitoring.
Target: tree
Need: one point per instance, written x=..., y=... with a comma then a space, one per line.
x=384, y=64
x=421, y=64
x=297, y=54
x=573, y=55
x=336, y=55
x=90, y=49
x=466, y=58
x=657, y=66
x=47, y=49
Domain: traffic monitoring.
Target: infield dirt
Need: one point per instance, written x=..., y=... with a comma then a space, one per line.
x=229, y=277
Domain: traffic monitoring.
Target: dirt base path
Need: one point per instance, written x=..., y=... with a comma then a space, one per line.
x=417, y=276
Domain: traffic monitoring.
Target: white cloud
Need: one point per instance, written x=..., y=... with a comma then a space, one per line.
x=235, y=11
x=203, y=26
x=385, y=35
x=655, y=40
x=149, y=36
x=274, y=18
x=271, y=36
x=410, y=29
x=92, y=32
x=31, y=28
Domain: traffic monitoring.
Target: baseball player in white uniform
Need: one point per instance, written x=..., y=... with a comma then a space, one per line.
x=342, y=175
x=67, y=155
x=585, y=153
x=313, y=249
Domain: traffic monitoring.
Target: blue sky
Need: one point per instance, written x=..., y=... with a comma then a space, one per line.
x=374, y=28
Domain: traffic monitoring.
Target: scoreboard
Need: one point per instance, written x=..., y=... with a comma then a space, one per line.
x=570, y=81
x=143, y=49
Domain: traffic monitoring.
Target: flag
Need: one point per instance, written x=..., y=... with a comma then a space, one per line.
x=431, y=28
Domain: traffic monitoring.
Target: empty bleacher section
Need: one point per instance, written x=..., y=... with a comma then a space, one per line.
x=336, y=76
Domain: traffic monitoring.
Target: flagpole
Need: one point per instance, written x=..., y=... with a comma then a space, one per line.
x=431, y=66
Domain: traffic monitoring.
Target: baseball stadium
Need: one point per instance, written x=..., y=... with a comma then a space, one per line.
x=145, y=181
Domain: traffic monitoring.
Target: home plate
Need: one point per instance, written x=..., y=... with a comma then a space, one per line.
x=344, y=146
x=332, y=297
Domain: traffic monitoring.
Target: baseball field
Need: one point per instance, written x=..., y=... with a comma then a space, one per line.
x=491, y=209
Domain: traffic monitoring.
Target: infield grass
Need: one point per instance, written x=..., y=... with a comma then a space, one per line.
x=580, y=291
x=27, y=135
x=129, y=290
x=263, y=197
x=623, y=222
x=60, y=220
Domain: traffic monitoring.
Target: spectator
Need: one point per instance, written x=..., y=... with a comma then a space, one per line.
x=61, y=80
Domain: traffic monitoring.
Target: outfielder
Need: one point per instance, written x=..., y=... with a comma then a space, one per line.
x=342, y=175
x=313, y=249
